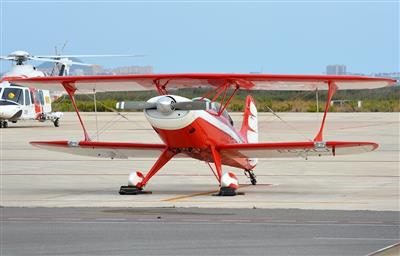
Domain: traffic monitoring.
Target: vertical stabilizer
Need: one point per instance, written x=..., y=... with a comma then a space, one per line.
x=249, y=128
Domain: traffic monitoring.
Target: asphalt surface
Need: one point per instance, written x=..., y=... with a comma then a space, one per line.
x=31, y=177
x=194, y=231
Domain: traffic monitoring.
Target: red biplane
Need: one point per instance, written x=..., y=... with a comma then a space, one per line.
x=201, y=128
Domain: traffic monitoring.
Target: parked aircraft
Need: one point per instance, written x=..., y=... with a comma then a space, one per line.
x=20, y=103
x=201, y=128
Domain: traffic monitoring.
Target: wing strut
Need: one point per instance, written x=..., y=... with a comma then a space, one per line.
x=71, y=92
x=331, y=90
x=223, y=88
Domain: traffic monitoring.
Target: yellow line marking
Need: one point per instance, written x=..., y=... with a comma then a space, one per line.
x=188, y=196
x=173, y=199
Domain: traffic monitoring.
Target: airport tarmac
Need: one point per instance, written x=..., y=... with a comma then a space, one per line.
x=31, y=177
x=195, y=231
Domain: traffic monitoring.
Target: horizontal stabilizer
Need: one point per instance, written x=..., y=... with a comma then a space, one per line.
x=295, y=149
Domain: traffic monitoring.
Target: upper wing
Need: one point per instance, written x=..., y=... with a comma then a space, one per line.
x=176, y=81
x=117, y=150
x=294, y=149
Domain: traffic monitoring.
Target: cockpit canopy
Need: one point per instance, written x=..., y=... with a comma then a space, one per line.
x=215, y=107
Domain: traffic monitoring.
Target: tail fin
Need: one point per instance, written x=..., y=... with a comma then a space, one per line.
x=249, y=128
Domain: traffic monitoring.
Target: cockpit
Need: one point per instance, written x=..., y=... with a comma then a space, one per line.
x=10, y=95
x=215, y=107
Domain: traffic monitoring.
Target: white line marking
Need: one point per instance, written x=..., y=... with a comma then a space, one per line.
x=194, y=220
x=357, y=238
x=323, y=221
x=23, y=218
x=384, y=249
x=67, y=219
x=110, y=219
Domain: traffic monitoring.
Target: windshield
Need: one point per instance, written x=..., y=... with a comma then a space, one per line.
x=13, y=94
x=215, y=107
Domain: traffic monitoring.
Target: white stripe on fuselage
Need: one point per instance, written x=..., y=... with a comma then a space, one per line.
x=219, y=124
x=177, y=123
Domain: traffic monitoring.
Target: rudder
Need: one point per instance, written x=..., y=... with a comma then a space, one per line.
x=249, y=128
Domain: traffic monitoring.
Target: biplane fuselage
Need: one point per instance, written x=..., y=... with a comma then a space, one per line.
x=193, y=132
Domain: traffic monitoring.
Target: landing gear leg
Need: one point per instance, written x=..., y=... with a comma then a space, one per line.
x=250, y=174
x=137, y=188
x=228, y=182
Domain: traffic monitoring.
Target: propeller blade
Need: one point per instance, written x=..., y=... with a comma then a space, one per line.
x=135, y=105
x=192, y=105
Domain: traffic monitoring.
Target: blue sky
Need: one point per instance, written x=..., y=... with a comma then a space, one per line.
x=240, y=37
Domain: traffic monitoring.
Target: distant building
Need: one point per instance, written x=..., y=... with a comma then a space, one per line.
x=336, y=70
x=131, y=70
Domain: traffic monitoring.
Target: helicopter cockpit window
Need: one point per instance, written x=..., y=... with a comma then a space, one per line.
x=32, y=101
x=13, y=94
x=39, y=97
x=27, y=101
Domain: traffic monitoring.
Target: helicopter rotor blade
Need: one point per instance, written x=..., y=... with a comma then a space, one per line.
x=88, y=56
x=62, y=61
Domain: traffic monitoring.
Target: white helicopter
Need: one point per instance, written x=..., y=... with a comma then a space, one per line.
x=23, y=103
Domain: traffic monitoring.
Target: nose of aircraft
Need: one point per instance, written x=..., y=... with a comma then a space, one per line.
x=7, y=112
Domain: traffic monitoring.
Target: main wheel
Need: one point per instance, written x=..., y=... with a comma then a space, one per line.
x=5, y=124
x=229, y=184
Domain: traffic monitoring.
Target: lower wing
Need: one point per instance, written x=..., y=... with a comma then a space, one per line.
x=121, y=150
x=117, y=150
x=295, y=149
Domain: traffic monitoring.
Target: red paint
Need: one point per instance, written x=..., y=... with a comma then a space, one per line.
x=244, y=81
x=246, y=115
x=161, y=161
x=331, y=91
x=36, y=102
x=71, y=91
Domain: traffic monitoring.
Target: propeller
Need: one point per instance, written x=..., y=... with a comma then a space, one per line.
x=165, y=105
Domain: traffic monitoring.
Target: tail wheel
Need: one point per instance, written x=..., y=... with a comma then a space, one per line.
x=57, y=122
x=250, y=174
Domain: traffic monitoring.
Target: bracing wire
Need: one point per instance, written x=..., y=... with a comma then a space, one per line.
x=288, y=124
